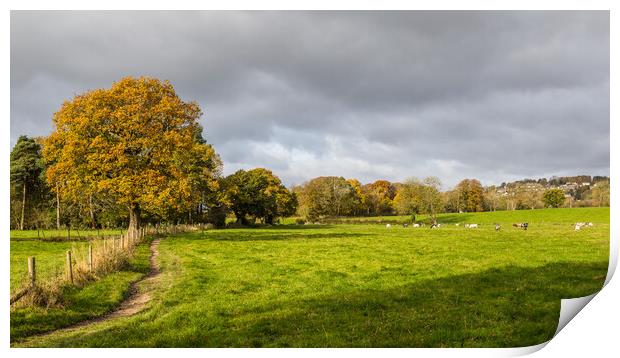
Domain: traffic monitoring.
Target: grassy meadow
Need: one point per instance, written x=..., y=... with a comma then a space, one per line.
x=62, y=234
x=49, y=256
x=363, y=285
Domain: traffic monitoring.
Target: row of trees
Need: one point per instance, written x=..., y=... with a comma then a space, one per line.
x=136, y=153
x=337, y=196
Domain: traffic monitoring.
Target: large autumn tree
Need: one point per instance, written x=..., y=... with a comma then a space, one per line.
x=135, y=143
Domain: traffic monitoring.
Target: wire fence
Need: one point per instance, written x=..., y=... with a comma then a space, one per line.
x=83, y=263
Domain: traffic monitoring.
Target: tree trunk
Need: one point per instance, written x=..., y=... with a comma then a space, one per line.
x=93, y=219
x=57, y=207
x=21, y=223
x=134, y=221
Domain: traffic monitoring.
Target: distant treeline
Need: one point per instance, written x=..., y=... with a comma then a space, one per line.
x=337, y=196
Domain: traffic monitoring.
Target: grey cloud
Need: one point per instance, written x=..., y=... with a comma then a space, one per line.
x=493, y=95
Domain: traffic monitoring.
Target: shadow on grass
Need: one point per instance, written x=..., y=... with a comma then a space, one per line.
x=266, y=236
x=297, y=227
x=507, y=307
x=455, y=218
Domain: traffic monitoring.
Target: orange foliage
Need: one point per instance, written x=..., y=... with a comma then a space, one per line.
x=134, y=143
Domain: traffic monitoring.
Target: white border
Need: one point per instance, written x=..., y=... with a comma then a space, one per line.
x=594, y=330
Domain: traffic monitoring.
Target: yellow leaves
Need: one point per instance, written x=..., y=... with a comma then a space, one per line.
x=133, y=142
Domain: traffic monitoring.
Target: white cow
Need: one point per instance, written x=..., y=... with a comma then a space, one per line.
x=415, y=225
x=579, y=225
x=387, y=226
x=471, y=226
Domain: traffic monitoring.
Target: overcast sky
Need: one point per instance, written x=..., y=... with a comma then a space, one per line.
x=496, y=96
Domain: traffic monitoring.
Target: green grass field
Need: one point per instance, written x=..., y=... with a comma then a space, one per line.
x=49, y=256
x=365, y=285
x=63, y=234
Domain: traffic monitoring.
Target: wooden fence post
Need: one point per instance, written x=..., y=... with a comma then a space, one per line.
x=69, y=267
x=32, y=271
x=90, y=257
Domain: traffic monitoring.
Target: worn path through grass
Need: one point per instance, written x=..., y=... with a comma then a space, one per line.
x=138, y=296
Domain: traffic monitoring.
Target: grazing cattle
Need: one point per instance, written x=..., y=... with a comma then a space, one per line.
x=405, y=225
x=435, y=226
x=521, y=225
x=471, y=226
x=497, y=227
x=457, y=224
x=387, y=226
x=585, y=224
x=579, y=225
x=415, y=225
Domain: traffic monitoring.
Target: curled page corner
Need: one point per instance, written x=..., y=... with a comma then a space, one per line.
x=569, y=309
